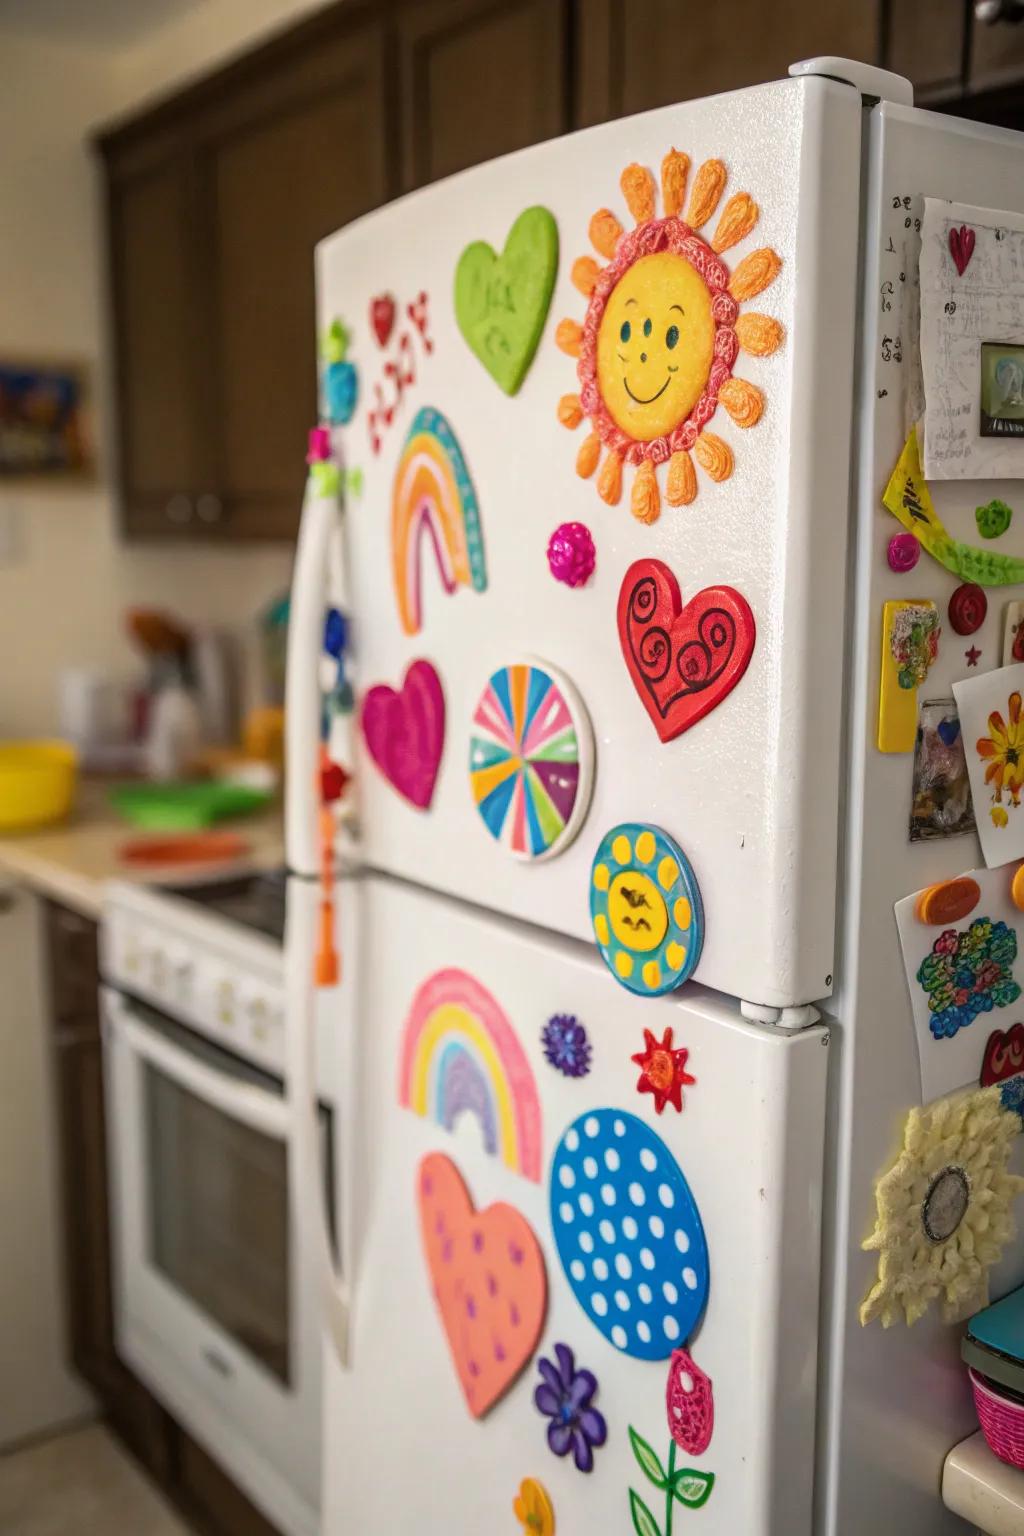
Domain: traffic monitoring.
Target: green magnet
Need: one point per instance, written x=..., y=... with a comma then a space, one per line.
x=993, y=519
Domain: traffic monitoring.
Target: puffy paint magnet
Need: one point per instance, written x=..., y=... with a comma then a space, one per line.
x=566, y=1046
x=683, y=661
x=628, y=1233
x=948, y=902
x=903, y=553
x=531, y=760
x=993, y=519
x=909, y=500
x=910, y=643
x=460, y=1055
x=488, y=1278
x=501, y=302
x=662, y=332
x=689, y=1404
x=1013, y=634
x=404, y=732
x=565, y=1396
x=646, y=909
x=533, y=1509
x=339, y=380
x=671, y=1483
x=967, y=608
x=571, y=554
x=433, y=502
x=1004, y=1055
x=663, y=1070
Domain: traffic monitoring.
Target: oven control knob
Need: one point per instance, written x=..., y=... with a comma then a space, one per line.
x=158, y=969
x=257, y=1011
x=184, y=973
x=226, y=1002
x=132, y=955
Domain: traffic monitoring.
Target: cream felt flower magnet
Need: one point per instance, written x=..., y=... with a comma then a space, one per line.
x=943, y=1209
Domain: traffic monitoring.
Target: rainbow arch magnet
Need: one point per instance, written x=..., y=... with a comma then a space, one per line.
x=531, y=759
x=460, y=1055
x=433, y=500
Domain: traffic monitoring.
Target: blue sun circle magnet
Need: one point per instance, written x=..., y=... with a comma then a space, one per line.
x=628, y=1233
x=646, y=909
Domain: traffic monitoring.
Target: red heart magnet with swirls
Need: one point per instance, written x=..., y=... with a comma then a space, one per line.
x=961, y=247
x=489, y=1281
x=1004, y=1055
x=683, y=661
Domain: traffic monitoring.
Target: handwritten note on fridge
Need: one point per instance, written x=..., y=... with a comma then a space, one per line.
x=972, y=293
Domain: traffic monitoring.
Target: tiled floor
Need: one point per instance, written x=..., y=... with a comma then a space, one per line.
x=81, y=1483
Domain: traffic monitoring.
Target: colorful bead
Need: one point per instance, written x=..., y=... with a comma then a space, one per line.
x=571, y=554
x=903, y=553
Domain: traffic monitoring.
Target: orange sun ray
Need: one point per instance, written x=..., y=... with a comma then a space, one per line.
x=708, y=186
x=674, y=170
x=604, y=232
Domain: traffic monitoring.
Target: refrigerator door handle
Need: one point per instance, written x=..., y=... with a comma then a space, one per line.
x=301, y=1060
x=321, y=516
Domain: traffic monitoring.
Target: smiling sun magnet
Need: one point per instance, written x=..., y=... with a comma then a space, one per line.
x=646, y=909
x=662, y=333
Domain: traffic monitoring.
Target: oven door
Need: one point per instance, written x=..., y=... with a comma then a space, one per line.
x=214, y=1280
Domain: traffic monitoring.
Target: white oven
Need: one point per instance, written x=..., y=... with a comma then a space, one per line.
x=214, y=1268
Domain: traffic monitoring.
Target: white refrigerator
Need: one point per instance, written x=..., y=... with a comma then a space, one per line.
x=621, y=1032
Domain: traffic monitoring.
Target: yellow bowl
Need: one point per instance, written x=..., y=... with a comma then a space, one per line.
x=37, y=783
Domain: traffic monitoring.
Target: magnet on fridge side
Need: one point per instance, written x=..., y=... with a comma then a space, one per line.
x=967, y=608
x=993, y=518
x=910, y=642
x=533, y=1509
x=1004, y=1055
x=948, y=902
x=339, y=382
x=663, y=1070
x=903, y=552
x=646, y=909
x=565, y=1395
x=1013, y=633
x=685, y=1484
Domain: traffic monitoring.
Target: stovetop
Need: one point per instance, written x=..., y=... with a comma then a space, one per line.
x=255, y=901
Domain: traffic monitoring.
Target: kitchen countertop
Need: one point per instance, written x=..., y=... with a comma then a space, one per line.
x=72, y=860
x=983, y=1490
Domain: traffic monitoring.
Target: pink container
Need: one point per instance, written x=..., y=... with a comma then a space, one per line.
x=1001, y=1420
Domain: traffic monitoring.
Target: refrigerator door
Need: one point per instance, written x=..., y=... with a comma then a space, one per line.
x=444, y=1008
x=883, y=1380
x=750, y=791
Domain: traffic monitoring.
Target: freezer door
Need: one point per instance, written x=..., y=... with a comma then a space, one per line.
x=749, y=791
x=444, y=1008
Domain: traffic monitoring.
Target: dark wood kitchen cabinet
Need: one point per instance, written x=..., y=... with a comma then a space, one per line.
x=477, y=79
x=634, y=55
x=216, y=200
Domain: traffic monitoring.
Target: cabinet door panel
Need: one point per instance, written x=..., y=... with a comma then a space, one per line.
x=284, y=164
x=152, y=233
x=924, y=42
x=478, y=79
x=997, y=56
x=639, y=54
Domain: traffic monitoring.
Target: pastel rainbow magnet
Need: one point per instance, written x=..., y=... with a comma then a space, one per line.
x=646, y=909
x=433, y=501
x=531, y=760
x=461, y=1055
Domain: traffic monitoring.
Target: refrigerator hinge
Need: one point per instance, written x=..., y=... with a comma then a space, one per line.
x=875, y=84
x=789, y=1020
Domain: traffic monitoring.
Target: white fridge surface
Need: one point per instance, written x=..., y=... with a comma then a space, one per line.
x=751, y=791
x=404, y=1451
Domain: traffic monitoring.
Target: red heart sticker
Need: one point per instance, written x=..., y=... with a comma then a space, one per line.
x=382, y=317
x=489, y=1281
x=961, y=247
x=683, y=661
x=1004, y=1055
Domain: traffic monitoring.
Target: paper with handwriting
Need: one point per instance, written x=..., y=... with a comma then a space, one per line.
x=972, y=291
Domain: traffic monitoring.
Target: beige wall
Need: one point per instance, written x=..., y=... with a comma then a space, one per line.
x=64, y=589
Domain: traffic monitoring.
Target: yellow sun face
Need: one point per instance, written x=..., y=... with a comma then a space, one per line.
x=662, y=333
x=655, y=345
x=637, y=911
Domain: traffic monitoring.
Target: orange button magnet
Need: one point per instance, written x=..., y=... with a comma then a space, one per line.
x=950, y=900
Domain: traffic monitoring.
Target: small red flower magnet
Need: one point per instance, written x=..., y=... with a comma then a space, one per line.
x=663, y=1070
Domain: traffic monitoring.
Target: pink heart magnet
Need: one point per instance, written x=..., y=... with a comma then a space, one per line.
x=961, y=247
x=404, y=731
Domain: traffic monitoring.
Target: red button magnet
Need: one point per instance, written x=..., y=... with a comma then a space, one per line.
x=967, y=608
x=903, y=553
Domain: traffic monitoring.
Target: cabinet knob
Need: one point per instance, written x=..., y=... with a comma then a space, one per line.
x=179, y=508
x=209, y=508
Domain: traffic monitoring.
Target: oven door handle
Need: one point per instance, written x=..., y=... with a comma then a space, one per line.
x=255, y=1107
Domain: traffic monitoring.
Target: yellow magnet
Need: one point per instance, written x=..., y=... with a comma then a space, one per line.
x=910, y=642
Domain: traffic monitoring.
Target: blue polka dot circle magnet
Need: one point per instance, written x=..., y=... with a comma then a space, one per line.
x=628, y=1233
x=646, y=909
